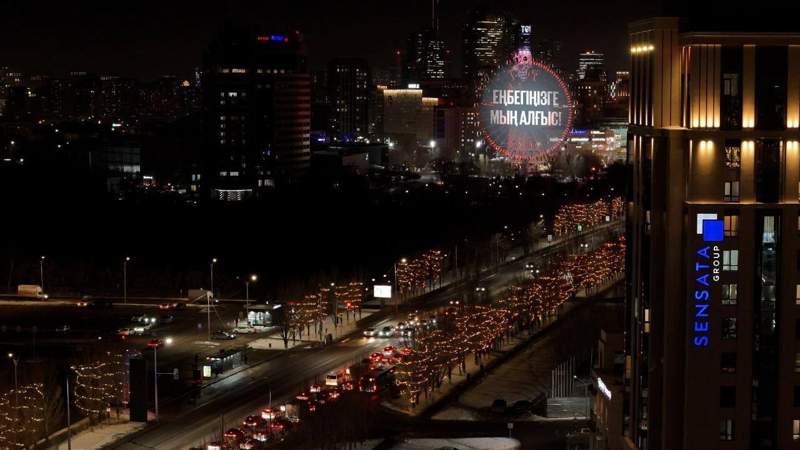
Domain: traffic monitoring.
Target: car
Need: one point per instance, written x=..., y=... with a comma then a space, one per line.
x=423, y=323
x=386, y=331
x=401, y=326
x=244, y=330
x=253, y=422
x=63, y=329
x=223, y=336
x=139, y=318
x=82, y=304
x=137, y=331
x=167, y=305
x=155, y=343
x=388, y=351
x=166, y=319
x=125, y=332
x=369, y=332
x=408, y=332
x=521, y=407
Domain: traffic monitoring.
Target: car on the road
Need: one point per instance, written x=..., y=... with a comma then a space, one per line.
x=223, y=336
x=387, y=331
x=423, y=323
x=388, y=351
x=167, y=305
x=138, y=318
x=155, y=343
x=244, y=330
x=369, y=332
x=401, y=326
x=124, y=332
x=408, y=332
x=82, y=304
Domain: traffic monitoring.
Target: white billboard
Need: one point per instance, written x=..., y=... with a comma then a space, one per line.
x=382, y=291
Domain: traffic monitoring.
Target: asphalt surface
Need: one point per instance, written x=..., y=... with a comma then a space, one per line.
x=228, y=401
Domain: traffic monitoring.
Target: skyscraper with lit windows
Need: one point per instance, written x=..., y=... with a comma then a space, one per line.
x=257, y=106
x=712, y=348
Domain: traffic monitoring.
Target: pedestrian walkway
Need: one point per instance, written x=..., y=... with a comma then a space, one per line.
x=274, y=341
x=102, y=434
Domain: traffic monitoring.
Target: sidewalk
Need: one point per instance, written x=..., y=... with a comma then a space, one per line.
x=274, y=341
x=103, y=434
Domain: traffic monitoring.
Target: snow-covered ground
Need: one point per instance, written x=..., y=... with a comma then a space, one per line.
x=101, y=435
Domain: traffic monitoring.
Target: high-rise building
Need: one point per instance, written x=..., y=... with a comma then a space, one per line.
x=590, y=59
x=426, y=55
x=490, y=37
x=257, y=105
x=713, y=288
x=348, y=93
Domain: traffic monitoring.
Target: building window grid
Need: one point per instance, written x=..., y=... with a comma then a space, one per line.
x=731, y=193
x=731, y=225
x=726, y=430
x=730, y=293
x=730, y=260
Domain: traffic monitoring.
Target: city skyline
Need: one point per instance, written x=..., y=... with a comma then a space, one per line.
x=170, y=39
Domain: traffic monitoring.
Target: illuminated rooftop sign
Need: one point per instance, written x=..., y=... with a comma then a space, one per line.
x=526, y=110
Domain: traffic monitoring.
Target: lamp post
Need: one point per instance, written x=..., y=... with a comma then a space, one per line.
x=251, y=279
x=41, y=272
x=208, y=299
x=167, y=341
x=15, y=359
x=585, y=392
x=69, y=420
x=396, y=284
x=125, y=279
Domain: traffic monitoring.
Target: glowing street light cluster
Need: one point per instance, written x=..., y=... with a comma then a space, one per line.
x=414, y=273
x=100, y=385
x=574, y=218
x=478, y=329
x=22, y=420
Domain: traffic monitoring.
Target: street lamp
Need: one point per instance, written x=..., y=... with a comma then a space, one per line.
x=41, y=272
x=167, y=341
x=208, y=299
x=585, y=392
x=15, y=360
x=125, y=279
x=253, y=278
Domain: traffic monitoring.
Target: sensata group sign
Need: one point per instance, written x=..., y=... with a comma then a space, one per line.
x=526, y=110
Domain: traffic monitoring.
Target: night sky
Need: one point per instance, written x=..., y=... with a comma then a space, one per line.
x=147, y=38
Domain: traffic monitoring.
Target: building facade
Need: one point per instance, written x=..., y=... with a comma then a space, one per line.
x=713, y=300
x=348, y=93
x=257, y=106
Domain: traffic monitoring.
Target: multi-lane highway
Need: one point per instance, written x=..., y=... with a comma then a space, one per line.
x=229, y=400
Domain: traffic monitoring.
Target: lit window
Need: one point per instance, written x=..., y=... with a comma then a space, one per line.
x=797, y=294
x=726, y=430
x=731, y=225
x=797, y=362
x=730, y=260
x=729, y=294
x=796, y=430
x=731, y=191
x=729, y=328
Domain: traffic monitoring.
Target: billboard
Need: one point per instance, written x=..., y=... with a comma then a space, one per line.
x=382, y=291
x=526, y=110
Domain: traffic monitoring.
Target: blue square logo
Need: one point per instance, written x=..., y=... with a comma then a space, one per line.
x=713, y=230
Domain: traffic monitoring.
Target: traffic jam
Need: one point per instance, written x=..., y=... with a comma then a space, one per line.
x=373, y=376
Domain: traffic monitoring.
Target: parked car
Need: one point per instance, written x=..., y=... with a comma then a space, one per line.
x=223, y=336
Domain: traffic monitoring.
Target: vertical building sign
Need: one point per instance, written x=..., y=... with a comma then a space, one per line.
x=706, y=268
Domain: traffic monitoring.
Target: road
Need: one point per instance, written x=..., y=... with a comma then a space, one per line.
x=228, y=401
